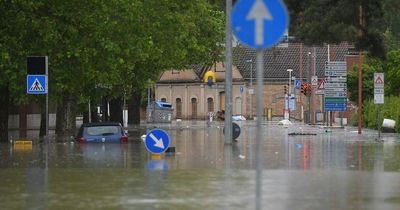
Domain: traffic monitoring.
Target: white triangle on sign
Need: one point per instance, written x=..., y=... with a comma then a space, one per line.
x=36, y=86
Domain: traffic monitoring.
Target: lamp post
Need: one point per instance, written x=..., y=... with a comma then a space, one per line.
x=290, y=90
x=251, y=86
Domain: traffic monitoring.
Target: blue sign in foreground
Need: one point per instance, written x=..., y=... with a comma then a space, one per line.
x=157, y=141
x=259, y=24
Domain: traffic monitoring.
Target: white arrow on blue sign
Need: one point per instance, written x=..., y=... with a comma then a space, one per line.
x=157, y=141
x=259, y=24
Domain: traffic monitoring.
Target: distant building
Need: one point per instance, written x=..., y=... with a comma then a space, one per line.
x=193, y=99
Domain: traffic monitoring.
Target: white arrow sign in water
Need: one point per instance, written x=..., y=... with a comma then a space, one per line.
x=259, y=12
x=159, y=142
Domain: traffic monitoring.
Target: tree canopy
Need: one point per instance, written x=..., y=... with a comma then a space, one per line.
x=332, y=21
x=103, y=48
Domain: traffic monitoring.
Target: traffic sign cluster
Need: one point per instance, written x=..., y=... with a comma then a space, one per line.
x=335, y=86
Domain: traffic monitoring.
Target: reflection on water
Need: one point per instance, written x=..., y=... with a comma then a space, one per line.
x=338, y=170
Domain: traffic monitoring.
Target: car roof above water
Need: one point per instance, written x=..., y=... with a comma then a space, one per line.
x=100, y=124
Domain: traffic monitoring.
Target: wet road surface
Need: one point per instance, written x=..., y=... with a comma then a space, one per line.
x=334, y=169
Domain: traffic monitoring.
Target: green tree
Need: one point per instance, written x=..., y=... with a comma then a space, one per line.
x=370, y=66
x=316, y=22
x=392, y=76
x=101, y=49
x=13, y=23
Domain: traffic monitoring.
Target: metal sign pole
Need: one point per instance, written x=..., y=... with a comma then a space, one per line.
x=260, y=100
x=250, y=19
x=379, y=122
x=228, y=75
x=47, y=99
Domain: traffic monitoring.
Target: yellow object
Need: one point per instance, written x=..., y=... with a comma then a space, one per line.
x=269, y=114
x=156, y=156
x=23, y=145
x=211, y=74
x=23, y=142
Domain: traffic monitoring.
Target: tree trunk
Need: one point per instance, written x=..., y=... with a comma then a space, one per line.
x=85, y=117
x=134, y=108
x=66, y=116
x=4, y=103
x=95, y=117
x=104, y=109
x=116, y=110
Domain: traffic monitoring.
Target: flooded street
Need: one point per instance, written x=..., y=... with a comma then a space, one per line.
x=330, y=169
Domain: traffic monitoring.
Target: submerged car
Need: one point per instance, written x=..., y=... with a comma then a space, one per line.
x=102, y=132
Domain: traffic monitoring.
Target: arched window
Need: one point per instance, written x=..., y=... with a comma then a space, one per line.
x=210, y=104
x=163, y=100
x=194, y=108
x=178, y=108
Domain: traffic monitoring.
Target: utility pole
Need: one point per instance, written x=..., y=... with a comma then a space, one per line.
x=308, y=77
x=360, y=75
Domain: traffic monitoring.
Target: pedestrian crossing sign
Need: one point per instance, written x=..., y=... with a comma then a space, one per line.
x=36, y=84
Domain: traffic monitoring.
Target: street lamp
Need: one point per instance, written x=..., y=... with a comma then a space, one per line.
x=251, y=86
x=290, y=91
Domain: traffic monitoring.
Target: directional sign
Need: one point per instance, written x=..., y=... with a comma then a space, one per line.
x=334, y=85
x=297, y=84
x=259, y=24
x=157, y=141
x=336, y=65
x=336, y=79
x=36, y=84
x=335, y=73
x=335, y=104
x=335, y=94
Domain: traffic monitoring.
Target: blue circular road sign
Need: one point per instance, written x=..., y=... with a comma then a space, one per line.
x=157, y=141
x=259, y=24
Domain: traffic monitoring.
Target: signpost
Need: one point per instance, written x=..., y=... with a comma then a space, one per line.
x=379, y=96
x=379, y=90
x=157, y=141
x=335, y=86
x=259, y=24
x=297, y=84
x=38, y=71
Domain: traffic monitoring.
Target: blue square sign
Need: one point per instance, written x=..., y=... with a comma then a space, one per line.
x=36, y=84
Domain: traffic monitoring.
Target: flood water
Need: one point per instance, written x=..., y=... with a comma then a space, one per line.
x=334, y=169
